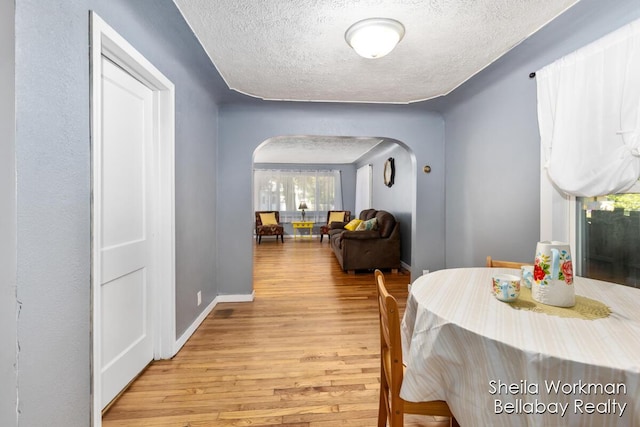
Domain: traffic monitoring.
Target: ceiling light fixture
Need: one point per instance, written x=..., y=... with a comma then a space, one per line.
x=374, y=37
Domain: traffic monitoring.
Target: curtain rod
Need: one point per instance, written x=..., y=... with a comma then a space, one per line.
x=532, y=75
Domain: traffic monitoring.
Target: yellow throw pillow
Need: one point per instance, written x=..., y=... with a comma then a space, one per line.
x=268, y=218
x=353, y=224
x=336, y=217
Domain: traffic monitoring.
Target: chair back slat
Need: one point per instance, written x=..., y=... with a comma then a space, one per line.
x=495, y=263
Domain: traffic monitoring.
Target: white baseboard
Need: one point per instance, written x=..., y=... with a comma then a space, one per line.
x=405, y=266
x=236, y=298
x=180, y=342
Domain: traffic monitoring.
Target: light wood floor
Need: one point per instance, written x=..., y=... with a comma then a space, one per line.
x=304, y=353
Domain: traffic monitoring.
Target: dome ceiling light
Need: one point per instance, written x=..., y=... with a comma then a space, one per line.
x=374, y=37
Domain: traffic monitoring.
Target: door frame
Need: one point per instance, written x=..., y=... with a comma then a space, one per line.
x=105, y=41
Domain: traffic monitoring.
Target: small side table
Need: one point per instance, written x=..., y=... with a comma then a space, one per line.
x=297, y=225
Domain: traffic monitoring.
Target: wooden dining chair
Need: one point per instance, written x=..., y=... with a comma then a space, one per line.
x=505, y=264
x=392, y=406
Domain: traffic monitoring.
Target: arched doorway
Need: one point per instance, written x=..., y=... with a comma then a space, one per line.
x=309, y=152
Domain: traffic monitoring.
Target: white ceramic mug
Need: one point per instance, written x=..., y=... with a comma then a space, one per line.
x=506, y=287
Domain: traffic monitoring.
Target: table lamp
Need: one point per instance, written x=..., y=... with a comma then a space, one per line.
x=303, y=206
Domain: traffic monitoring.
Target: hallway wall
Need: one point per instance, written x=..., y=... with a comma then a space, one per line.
x=8, y=303
x=54, y=189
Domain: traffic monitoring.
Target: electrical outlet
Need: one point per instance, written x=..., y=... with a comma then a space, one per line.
x=425, y=272
x=199, y=297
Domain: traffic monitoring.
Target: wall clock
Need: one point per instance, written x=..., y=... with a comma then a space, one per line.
x=389, y=171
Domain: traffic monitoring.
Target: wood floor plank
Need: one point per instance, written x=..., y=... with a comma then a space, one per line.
x=305, y=353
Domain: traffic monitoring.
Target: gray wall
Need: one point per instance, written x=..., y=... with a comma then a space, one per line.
x=397, y=199
x=8, y=377
x=492, y=140
x=53, y=245
x=421, y=131
x=53, y=175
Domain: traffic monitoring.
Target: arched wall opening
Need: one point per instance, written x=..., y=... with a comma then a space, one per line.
x=347, y=154
x=244, y=128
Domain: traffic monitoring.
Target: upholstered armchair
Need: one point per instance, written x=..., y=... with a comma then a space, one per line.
x=268, y=224
x=334, y=216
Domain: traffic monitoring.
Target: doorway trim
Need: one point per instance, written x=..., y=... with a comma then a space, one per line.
x=105, y=41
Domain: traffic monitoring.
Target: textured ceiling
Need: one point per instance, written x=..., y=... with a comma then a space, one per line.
x=314, y=149
x=295, y=49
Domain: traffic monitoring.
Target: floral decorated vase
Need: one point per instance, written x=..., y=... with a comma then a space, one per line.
x=553, y=275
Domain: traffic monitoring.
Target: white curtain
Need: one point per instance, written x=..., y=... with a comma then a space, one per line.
x=283, y=190
x=363, y=189
x=589, y=115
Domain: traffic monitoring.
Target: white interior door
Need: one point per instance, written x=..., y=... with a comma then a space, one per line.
x=126, y=242
x=133, y=215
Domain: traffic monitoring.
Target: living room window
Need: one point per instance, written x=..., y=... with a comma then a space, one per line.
x=283, y=190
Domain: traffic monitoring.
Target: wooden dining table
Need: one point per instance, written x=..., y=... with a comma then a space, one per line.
x=509, y=364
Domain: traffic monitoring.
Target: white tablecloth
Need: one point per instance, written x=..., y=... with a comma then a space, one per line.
x=498, y=366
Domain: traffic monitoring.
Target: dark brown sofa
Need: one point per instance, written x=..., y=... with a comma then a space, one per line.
x=365, y=250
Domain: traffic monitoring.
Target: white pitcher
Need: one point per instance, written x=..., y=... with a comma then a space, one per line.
x=553, y=275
